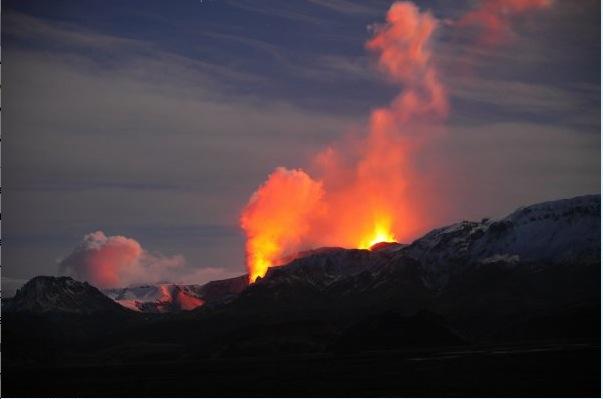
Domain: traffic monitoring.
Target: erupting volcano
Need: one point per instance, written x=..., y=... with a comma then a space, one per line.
x=373, y=187
x=361, y=194
x=418, y=185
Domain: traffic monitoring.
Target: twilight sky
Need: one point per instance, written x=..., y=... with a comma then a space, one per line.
x=157, y=120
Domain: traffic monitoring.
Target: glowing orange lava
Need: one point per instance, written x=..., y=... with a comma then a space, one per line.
x=382, y=233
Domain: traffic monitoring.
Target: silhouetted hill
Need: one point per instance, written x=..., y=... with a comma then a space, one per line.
x=46, y=294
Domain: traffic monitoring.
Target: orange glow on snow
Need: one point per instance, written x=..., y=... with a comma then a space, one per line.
x=188, y=302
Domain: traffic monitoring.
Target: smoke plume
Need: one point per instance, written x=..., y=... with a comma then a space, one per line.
x=364, y=191
x=279, y=216
x=116, y=261
x=381, y=185
x=492, y=18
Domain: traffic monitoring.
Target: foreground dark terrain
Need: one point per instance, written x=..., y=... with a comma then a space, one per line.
x=507, y=307
x=529, y=370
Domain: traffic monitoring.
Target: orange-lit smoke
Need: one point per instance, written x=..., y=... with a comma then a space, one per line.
x=279, y=216
x=369, y=189
x=492, y=18
x=99, y=259
x=402, y=47
x=361, y=194
x=117, y=261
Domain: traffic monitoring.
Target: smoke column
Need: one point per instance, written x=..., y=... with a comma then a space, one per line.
x=369, y=189
x=360, y=194
x=279, y=216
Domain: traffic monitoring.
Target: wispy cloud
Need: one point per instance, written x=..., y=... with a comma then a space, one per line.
x=521, y=97
x=372, y=9
x=25, y=26
x=148, y=136
x=286, y=10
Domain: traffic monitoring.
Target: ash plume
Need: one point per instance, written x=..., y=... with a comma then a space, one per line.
x=362, y=186
x=384, y=184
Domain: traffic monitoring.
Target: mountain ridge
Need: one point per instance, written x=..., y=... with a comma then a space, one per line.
x=540, y=235
x=170, y=297
x=49, y=294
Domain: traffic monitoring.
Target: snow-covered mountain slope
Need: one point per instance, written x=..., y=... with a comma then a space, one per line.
x=162, y=298
x=157, y=298
x=553, y=232
x=340, y=281
x=325, y=266
x=45, y=294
